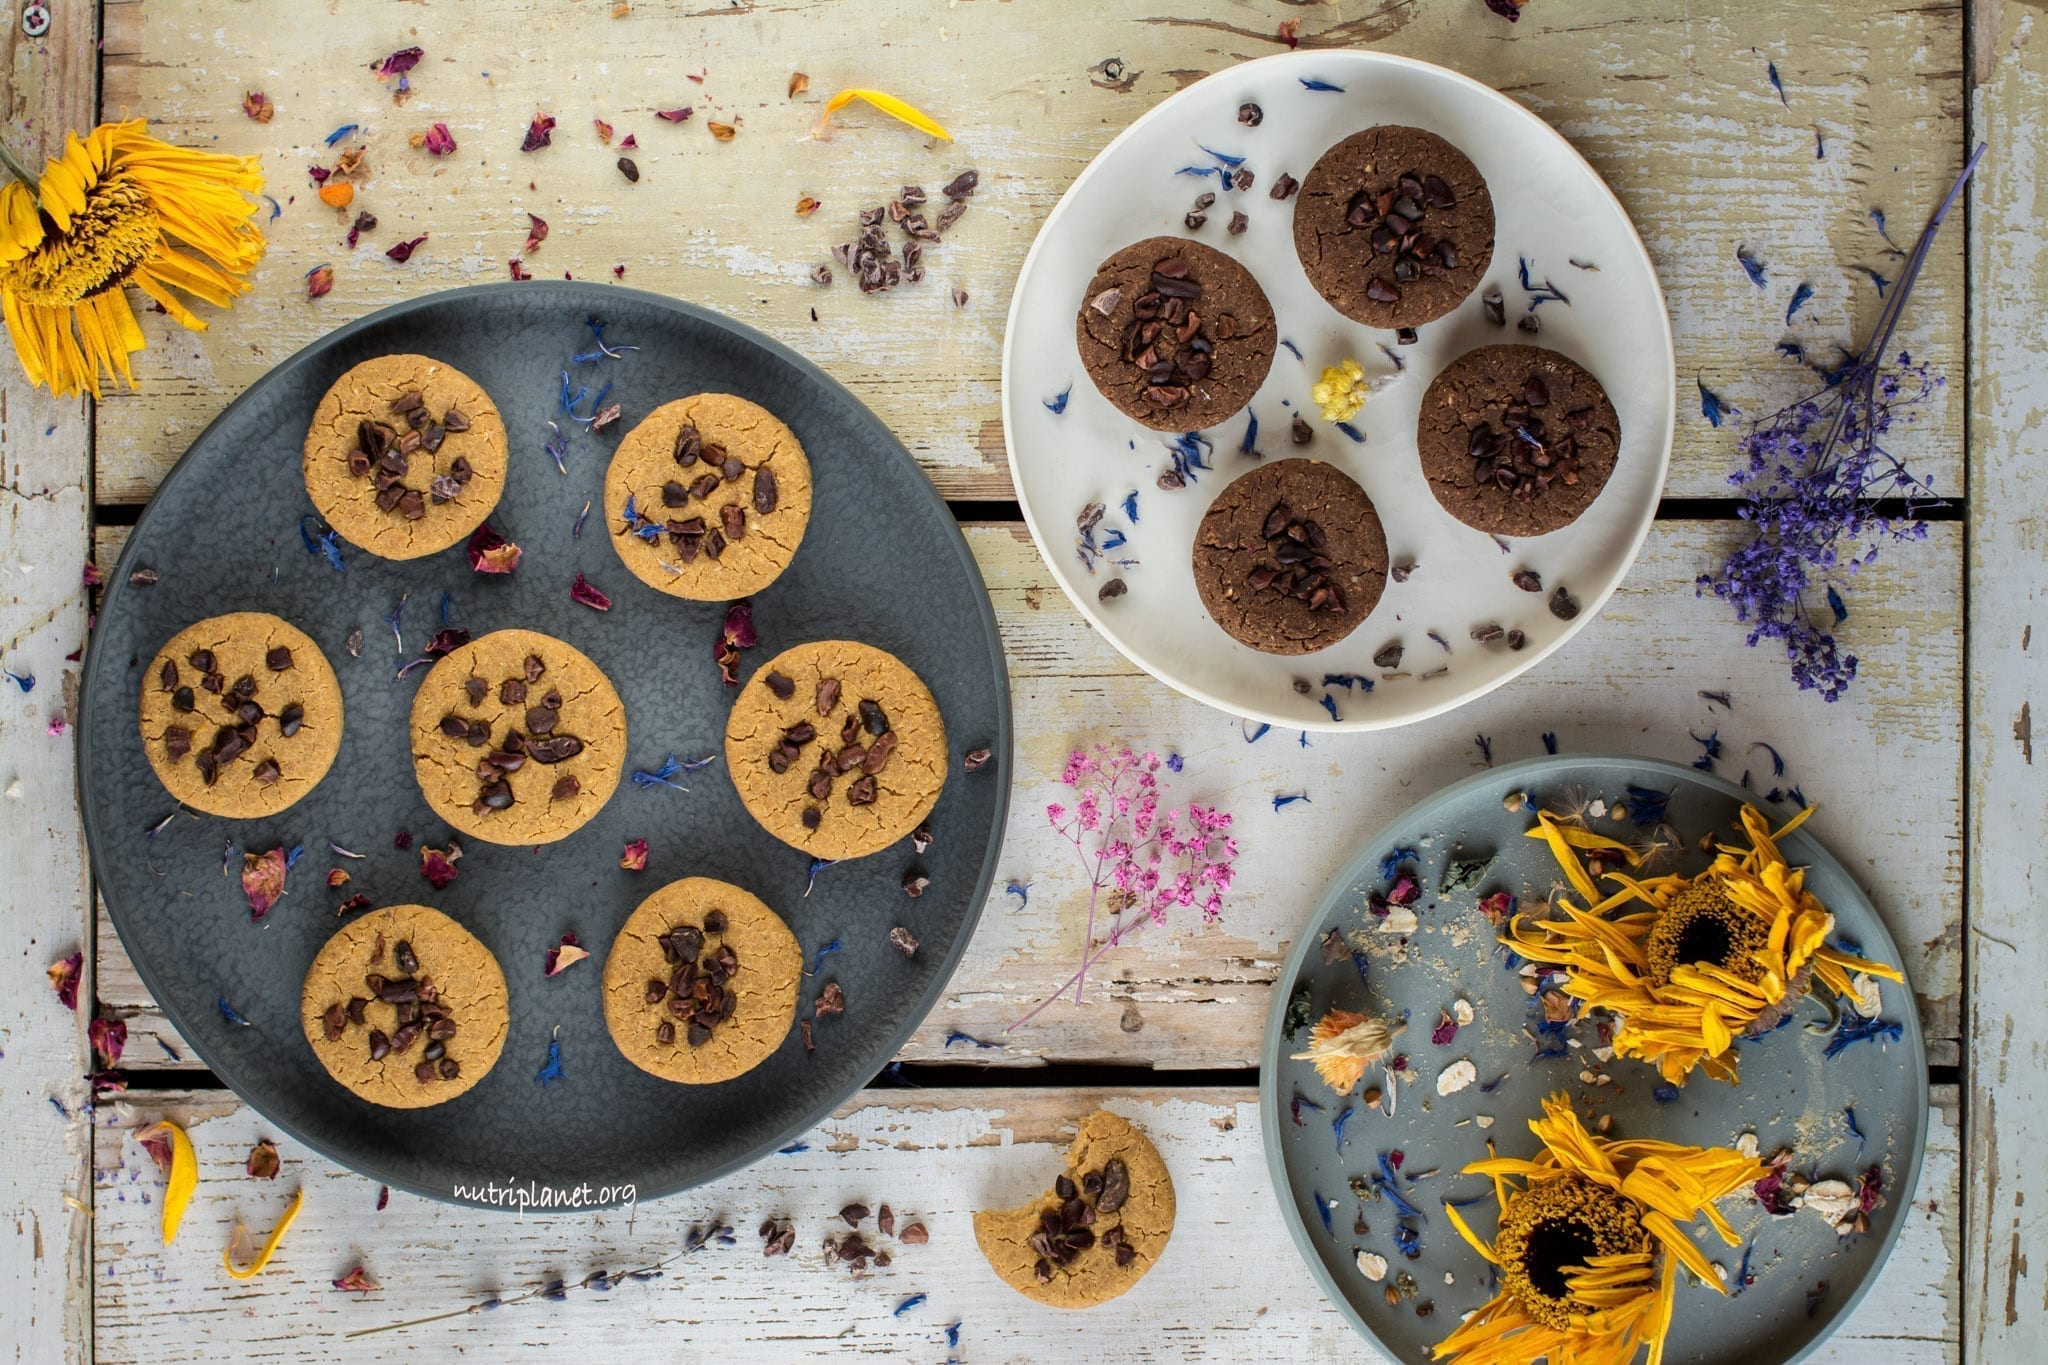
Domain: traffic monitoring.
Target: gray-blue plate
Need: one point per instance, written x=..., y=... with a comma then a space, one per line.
x=1791, y=1094
x=882, y=561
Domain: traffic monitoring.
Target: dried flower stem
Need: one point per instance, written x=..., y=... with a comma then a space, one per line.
x=17, y=170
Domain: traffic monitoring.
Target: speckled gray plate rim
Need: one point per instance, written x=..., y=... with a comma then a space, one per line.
x=917, y=593
x=1766, y=1324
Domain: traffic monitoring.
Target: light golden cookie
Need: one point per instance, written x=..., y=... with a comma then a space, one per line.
x=700, y=985
x=405, y=1008
x=836, y=748
x=405, y=456
x=720, y=493
x=1097, y=1231
x=241, y=715
x=517, y=738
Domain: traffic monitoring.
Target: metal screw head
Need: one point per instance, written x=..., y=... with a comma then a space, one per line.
x=35, y=19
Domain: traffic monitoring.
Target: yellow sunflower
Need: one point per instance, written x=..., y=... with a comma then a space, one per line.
x=1589, y=1246
x=105, y=215
x=1717, y=956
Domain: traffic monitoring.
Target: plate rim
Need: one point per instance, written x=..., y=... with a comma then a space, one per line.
x=1526, y=772
x=1593, y=606
x=1003, y=742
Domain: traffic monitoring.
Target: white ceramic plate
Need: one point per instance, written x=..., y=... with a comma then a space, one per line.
x=1551, y=210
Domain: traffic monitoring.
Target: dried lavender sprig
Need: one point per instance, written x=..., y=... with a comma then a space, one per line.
x=1888, y=317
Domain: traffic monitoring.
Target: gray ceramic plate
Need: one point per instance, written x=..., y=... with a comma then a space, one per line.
x=882, y=561
x=1790, y=1096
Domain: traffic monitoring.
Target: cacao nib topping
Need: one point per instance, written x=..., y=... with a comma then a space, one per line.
x=554, y=749
x=1404, y=247
x=278, y=659
x=784, y=688
x=177, y=742
x=764, y=491
x=1169, y=340
x=1295, y=564
x=1516, y=451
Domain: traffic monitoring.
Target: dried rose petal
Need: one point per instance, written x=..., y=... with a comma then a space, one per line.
x=582, y=590
x=337, y=876
x=518, y=270
x=628, y=142
x=398, y=63
x=354, y=903
x=1445, y=1030
x=263, y=880
x=439, y=141
x=806, y=206
x=319, y=280
x=257, y=106
x=674, y=115
x=536, y=232
x=564, y=955
x=735, y=635
x=446, y=641
x=539, y=133
x=438, y=865
x=490, y=552
x=798, y=83
x=402, y=251
x=156, y=1140
x=604, y=132
x=722, y=131
x=64, y=975
x=1510, y=10
x=357, y=1281
x=108, y=1037
x=634, y=859
x=263, y=1163
x=1290, y=32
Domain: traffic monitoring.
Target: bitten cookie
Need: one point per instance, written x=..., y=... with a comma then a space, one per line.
x=1176, y=334
x=1290, y=557
x=701, y=982
x=836, y=748
x=708, y=498
x=405, y=456
x=1394, y=227
x=241, y=715
x=1516, y=440
x=517, y=738
x=405, y=1007
x=1104, y=1223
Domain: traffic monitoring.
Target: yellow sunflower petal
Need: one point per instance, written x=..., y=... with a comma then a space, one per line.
x=888, y=104
x=255, y=1267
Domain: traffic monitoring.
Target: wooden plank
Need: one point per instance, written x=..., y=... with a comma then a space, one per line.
x=2007, y=1033
x=47, y=86
x=1197, y=998
x=1229, y=1286
x=1672, y=105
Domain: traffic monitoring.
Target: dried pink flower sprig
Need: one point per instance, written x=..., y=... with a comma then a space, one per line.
x=1152, y=860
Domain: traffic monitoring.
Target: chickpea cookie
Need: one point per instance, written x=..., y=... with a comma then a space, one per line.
x=1394, y=227
x=1178, y=335
x=1104, y=1223
x=836, y=748
x=517, y=738
x=241, y=715
x=405, y=456
x=708, y=498
x=701, y=982
x=405, y=1007
x=1516, y=440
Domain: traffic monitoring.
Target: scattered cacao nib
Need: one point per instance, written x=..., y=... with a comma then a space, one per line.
x=914, y=882
x=1489, y=632
x=804, y=1027
x=1401, y=573
x=1112, y=590
x=921, y=837
x=975, y=760
x=831, y=1000
x=1285, y=186
x=1389, y=655
x=914, y=1235
x=1563, y=605
x=1496, y=305
x=962, y=185
x=1528, y=323
x=1516, y=639
x=1238, y=223
x=629, y=170
x=1528, y=580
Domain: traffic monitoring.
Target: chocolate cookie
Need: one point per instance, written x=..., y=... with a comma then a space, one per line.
x=241, y=715
x=836, y=748
x=708, y=498
x=1095, y=1233
x=405, y=1007
x=1516, y=440
x=1394, y=227
x=1177, y=335
x=1290, y=557
x=517, y=738
x=405, y=456
x=701, y=983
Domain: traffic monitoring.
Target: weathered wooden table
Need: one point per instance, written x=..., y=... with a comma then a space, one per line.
x=1925, y=773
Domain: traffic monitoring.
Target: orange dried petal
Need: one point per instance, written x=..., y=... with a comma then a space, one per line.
x=337, y=193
